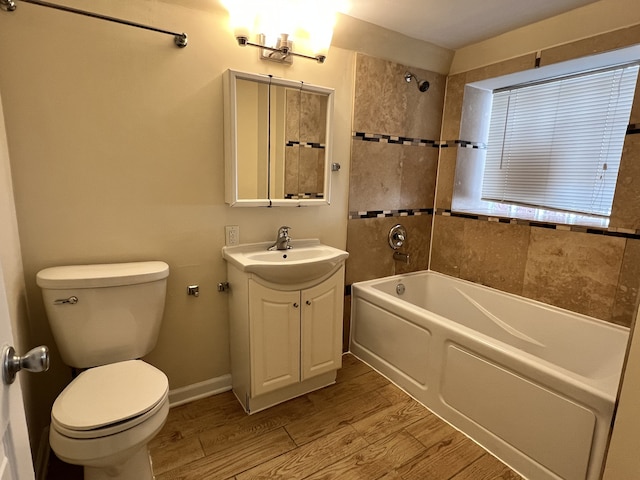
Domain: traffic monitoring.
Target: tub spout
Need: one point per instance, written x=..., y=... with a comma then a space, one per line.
x=401, y=257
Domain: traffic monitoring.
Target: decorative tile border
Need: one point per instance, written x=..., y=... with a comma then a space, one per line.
x=409, y=212
x=382, y=138
x=463, y=144
x=633, y=128
x=612, y=232
x=293, y=143
x=289, y=196
x=418, y=142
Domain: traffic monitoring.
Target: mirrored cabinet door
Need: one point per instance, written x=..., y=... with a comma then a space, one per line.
x=277, y=141
x=252, y=139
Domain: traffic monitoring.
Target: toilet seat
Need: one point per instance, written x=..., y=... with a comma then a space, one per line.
x=109, y=399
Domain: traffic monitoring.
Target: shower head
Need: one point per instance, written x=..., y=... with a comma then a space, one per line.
x=423, y=85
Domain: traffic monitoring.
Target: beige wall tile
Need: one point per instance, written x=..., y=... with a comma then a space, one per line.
x=592, y=45
x=425, y=107
x=625, y=211
x=376, y=176
x=446, y=177
x=494, y=254
x=447, y=244
x=417, y=244
x=518, y=64
x=453, y=106
x=386, y=176
x=635, y=108
x=370, y=255
x=572, y=270
x=418, y=177
x=380, y=96
x=311, y=170
x=292, y=169
x=383, y=97
x=626, y=300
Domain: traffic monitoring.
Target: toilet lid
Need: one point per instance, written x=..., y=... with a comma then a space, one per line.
x=109, y=394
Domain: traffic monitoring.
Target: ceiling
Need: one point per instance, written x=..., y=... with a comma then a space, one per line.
x=454, y=24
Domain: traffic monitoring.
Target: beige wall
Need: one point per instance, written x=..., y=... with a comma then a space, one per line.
x=582, y=23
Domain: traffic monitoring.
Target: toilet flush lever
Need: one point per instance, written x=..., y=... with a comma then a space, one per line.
x=36, y=360
x=71, y=300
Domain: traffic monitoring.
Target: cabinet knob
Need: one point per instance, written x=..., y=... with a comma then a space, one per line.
x=295, y=305
x=308, y=302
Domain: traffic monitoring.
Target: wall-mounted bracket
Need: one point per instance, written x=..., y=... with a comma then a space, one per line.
x=193, y=290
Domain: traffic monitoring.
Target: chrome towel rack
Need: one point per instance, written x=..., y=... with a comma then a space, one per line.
x=180, y=39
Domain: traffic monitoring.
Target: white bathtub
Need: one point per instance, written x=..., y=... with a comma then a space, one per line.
x=533, y=384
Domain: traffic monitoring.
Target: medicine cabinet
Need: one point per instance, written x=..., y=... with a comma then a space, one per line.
x=277, y=141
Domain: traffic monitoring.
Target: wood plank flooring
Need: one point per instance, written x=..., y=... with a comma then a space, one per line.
x=363, y=427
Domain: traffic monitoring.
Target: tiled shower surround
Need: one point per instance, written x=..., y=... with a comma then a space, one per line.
x=584, y=270
x=394, y=157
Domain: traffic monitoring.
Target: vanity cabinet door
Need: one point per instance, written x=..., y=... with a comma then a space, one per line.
x=274, y=338
x=322, y=326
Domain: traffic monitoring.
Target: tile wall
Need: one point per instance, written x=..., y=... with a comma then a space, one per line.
x=584, y=270
x=402, y=141
x=305, y=136
x=394, y=157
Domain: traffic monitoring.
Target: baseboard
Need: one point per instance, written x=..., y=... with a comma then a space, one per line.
x=41, y=464
x=196, y=391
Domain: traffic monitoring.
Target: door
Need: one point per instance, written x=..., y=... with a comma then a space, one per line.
x=274, y=328
x=322, y=326
x=15, y=453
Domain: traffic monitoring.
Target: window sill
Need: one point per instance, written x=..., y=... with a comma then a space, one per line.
x=531, y=214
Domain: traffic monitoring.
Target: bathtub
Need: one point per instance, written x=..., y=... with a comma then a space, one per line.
x=533, y=384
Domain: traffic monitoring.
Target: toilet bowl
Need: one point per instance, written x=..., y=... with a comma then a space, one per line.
x=104, y=318
x=106, y=416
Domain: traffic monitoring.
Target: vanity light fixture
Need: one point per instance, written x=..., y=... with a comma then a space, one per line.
x=307, y=22
x=281, y=52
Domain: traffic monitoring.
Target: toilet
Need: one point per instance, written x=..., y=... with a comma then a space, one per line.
x=104, y=318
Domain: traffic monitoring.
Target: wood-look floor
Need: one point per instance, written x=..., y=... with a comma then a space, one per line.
x=363, y=427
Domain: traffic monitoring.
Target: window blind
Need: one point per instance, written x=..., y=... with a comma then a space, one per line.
x=558, y=144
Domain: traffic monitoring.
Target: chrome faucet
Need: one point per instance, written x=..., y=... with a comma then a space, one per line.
x=283, y=239
x=401, y=257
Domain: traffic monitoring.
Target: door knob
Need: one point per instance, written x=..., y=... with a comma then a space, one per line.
x=36, y=360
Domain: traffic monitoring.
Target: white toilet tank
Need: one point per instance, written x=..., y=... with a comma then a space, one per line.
x=105, y=313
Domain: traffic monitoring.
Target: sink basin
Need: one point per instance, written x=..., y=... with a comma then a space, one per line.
x=306, y=261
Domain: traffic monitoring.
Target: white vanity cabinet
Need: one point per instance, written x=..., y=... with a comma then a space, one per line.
x=286, y=340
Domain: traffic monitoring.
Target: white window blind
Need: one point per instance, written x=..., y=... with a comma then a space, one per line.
x=558, y=144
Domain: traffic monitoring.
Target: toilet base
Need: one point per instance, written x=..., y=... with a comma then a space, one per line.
x=137, y=467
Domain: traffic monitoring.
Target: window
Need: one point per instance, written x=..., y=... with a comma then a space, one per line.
x=545, y=144
x=557, y=144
